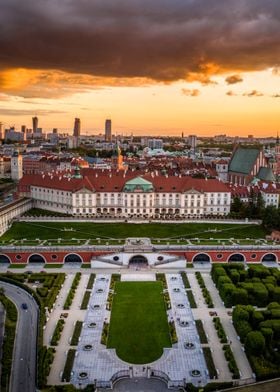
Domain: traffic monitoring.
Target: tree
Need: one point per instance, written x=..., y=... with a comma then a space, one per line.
x=255, y=343
x=271, y=218
x=260, y=206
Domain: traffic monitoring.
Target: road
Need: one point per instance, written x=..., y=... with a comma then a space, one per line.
x=23, y=377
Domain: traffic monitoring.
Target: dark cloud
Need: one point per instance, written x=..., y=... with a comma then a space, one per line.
x=161, y=40
x=276, y=96
x=233, y=79
x=190, y=93
x=253, y=93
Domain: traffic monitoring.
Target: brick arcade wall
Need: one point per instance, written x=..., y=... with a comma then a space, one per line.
x=251, y=256
x=50, y=257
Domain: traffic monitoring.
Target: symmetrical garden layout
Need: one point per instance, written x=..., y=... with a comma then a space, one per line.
x=145, y=325
x=138, y=334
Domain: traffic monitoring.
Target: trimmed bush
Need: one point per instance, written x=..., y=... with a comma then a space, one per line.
x=76, y=333
x=201, y=332
x=85, y=300
x=57, y=332
x=66, y=375
x=91, y=281
x=210, y=363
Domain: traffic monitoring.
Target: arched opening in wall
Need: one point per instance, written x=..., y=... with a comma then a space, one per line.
x=269, y=257
x=236, y=257
x=202, y=258
x=73, y=259
x=138, y=261
x=4, y=260
x=36, y=259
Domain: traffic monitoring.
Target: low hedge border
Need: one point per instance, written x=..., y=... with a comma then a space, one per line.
x=201, y=332
x=220, y=330
x=85, y=300
x=231, y=362
x=185, y=280
x=57, y=332
x=91, y=281
x=161, y=278
x=105, y=332
x=66, y=375
x=210, y=363
x=72, y=291
x=205, y=292
x=76, y=333
x=172, y=332
x=191, y=299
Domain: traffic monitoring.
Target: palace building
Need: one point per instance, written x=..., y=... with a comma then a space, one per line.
x=126, y=194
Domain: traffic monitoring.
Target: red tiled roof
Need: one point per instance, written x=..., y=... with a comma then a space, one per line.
x=104, y=181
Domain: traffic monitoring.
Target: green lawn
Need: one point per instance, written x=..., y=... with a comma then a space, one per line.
x=82, y=230
x=138, y=327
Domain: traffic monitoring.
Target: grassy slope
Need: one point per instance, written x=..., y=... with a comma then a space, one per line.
x=138, y=326
x=53, y=230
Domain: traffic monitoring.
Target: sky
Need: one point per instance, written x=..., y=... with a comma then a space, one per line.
x=158, y=67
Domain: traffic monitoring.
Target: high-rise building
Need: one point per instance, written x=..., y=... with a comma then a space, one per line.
x=35, y=122
x=1, y=131
x=108, y=130
x=192, y=141
x=77, y=127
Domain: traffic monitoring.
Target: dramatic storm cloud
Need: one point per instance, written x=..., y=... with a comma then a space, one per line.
x=162, y=40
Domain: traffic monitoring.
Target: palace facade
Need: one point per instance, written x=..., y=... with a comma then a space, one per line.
x=126, y=194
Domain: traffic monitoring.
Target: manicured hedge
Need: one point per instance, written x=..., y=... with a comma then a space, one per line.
x=91, y=281
x=85, y=301
x=231, y=362
x=72, y=291
x=46, y=357
x=201, y=332
x=66, y=375
x=185, y=280
x=57, y=332
x=220, y=330
x=76, y=334
x=191, y=299
x=210, y=363
x=205, y=292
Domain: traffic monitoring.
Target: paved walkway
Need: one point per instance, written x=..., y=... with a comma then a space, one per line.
x=237, y=348
x=74, y=314
x=202, y=313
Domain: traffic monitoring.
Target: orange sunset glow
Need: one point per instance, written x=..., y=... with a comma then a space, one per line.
x=204, y=67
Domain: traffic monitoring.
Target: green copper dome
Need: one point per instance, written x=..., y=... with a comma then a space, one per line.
x=138, y=184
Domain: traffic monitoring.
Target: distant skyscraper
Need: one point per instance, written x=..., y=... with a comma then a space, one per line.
x=108, y=130
x=35, y=122
x=1, y=131
x=77, y=127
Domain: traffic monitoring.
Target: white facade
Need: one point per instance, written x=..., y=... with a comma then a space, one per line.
x=148, y=204
x=11, y=211
x=270, y=199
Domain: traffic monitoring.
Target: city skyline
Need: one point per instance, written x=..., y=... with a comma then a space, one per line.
x=193, y=67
